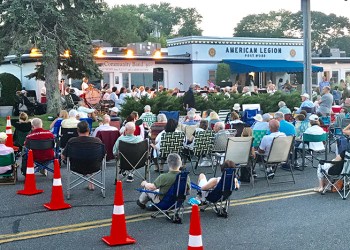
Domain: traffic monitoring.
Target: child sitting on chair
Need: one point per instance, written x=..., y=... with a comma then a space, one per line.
x=212, y=182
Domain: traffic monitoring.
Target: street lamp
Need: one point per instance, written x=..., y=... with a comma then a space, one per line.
x=129, y=53
x=157, y=54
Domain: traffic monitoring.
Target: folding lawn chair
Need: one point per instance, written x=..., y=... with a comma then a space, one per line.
x=219, y=197
x=133, y=156
x=42, y=145
x=248, y=115
x=280, y=153
x=65, y=135
x=85, y=162
x=173, y=200
x=108, y=138
x=257, y=137
x=9, y=177
x=170, y=142
x=203, y=144
x=238, y=150
x=171, y=114
x=307, y=138
x=220, y=144
x=338, y=179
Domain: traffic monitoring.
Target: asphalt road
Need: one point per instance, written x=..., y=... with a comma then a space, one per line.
x=282, y=216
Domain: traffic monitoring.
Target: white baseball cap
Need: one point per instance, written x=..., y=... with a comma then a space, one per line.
x=258, y=118
x=314, y=118
x=114, y=109
x=306, y=95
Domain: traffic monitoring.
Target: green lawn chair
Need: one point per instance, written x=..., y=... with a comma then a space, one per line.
x=257, y=137
x=10, y=177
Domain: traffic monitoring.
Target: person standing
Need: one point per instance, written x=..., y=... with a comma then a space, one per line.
x=325, y=102
x=189, y=101
x=84, y=84
x=324, y=83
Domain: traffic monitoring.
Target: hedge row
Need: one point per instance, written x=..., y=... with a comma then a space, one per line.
x=268, y=103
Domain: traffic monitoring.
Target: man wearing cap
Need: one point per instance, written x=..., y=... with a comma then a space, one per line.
x=262, y=121
x=114, y=115
x=4, y=150
x=285, y=127
x=306, y=104
x=315, y=129
x=324, y=83
x=325, y=102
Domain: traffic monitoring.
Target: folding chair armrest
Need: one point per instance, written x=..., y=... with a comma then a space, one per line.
x=324, y=161
x=195, y=186
x=147, y=191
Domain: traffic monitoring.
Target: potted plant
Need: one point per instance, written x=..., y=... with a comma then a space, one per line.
x=9, y=84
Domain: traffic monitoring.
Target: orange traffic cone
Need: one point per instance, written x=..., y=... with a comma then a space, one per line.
x=57, y=200
x=29, y=183
x=118, y=235
x=9, y=140
x=195, y=238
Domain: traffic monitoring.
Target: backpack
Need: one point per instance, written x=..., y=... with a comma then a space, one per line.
x=245, y=175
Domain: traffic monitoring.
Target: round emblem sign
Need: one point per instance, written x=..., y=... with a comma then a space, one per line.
x=292, y=53
x=212, y=52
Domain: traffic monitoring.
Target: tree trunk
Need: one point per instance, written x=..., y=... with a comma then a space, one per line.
x=50, y=61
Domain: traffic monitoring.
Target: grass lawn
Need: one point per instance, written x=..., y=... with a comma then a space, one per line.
x=46, y=122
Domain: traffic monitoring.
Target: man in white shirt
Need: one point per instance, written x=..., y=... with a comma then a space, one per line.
x=105, y=126
x=266, y=142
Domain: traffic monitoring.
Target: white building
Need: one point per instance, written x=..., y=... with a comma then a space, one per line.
x=194, y=60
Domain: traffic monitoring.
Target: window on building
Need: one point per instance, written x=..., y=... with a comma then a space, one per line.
x=335, y=77
x=144, y=79
x=347, y=76
x=106, y=78
x=125, y=77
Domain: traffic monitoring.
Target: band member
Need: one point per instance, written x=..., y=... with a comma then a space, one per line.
x=85, y=84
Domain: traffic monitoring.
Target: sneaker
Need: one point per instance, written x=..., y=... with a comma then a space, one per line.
x=142, y=206
x=130, y=178
x=43, y=172
x=270, y=174
x=151, y=208
x=254, y=174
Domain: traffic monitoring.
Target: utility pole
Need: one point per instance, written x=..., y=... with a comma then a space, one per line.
x=307, y=77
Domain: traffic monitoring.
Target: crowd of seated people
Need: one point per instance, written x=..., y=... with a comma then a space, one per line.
x=135, y=129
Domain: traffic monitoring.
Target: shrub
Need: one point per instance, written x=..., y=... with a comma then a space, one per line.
x=10, y=84
x=268, y=103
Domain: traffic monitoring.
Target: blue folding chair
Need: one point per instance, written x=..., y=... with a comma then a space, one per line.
x=42, y=145
x=219, y=197
x=171, y=114
x=56, y=127
x=173, y=201
x=248, y=116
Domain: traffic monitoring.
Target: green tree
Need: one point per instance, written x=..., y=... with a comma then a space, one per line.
x=190, y=19
x=118, y=25
x=53, y=26
x=290, y=25
x=343, y=43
